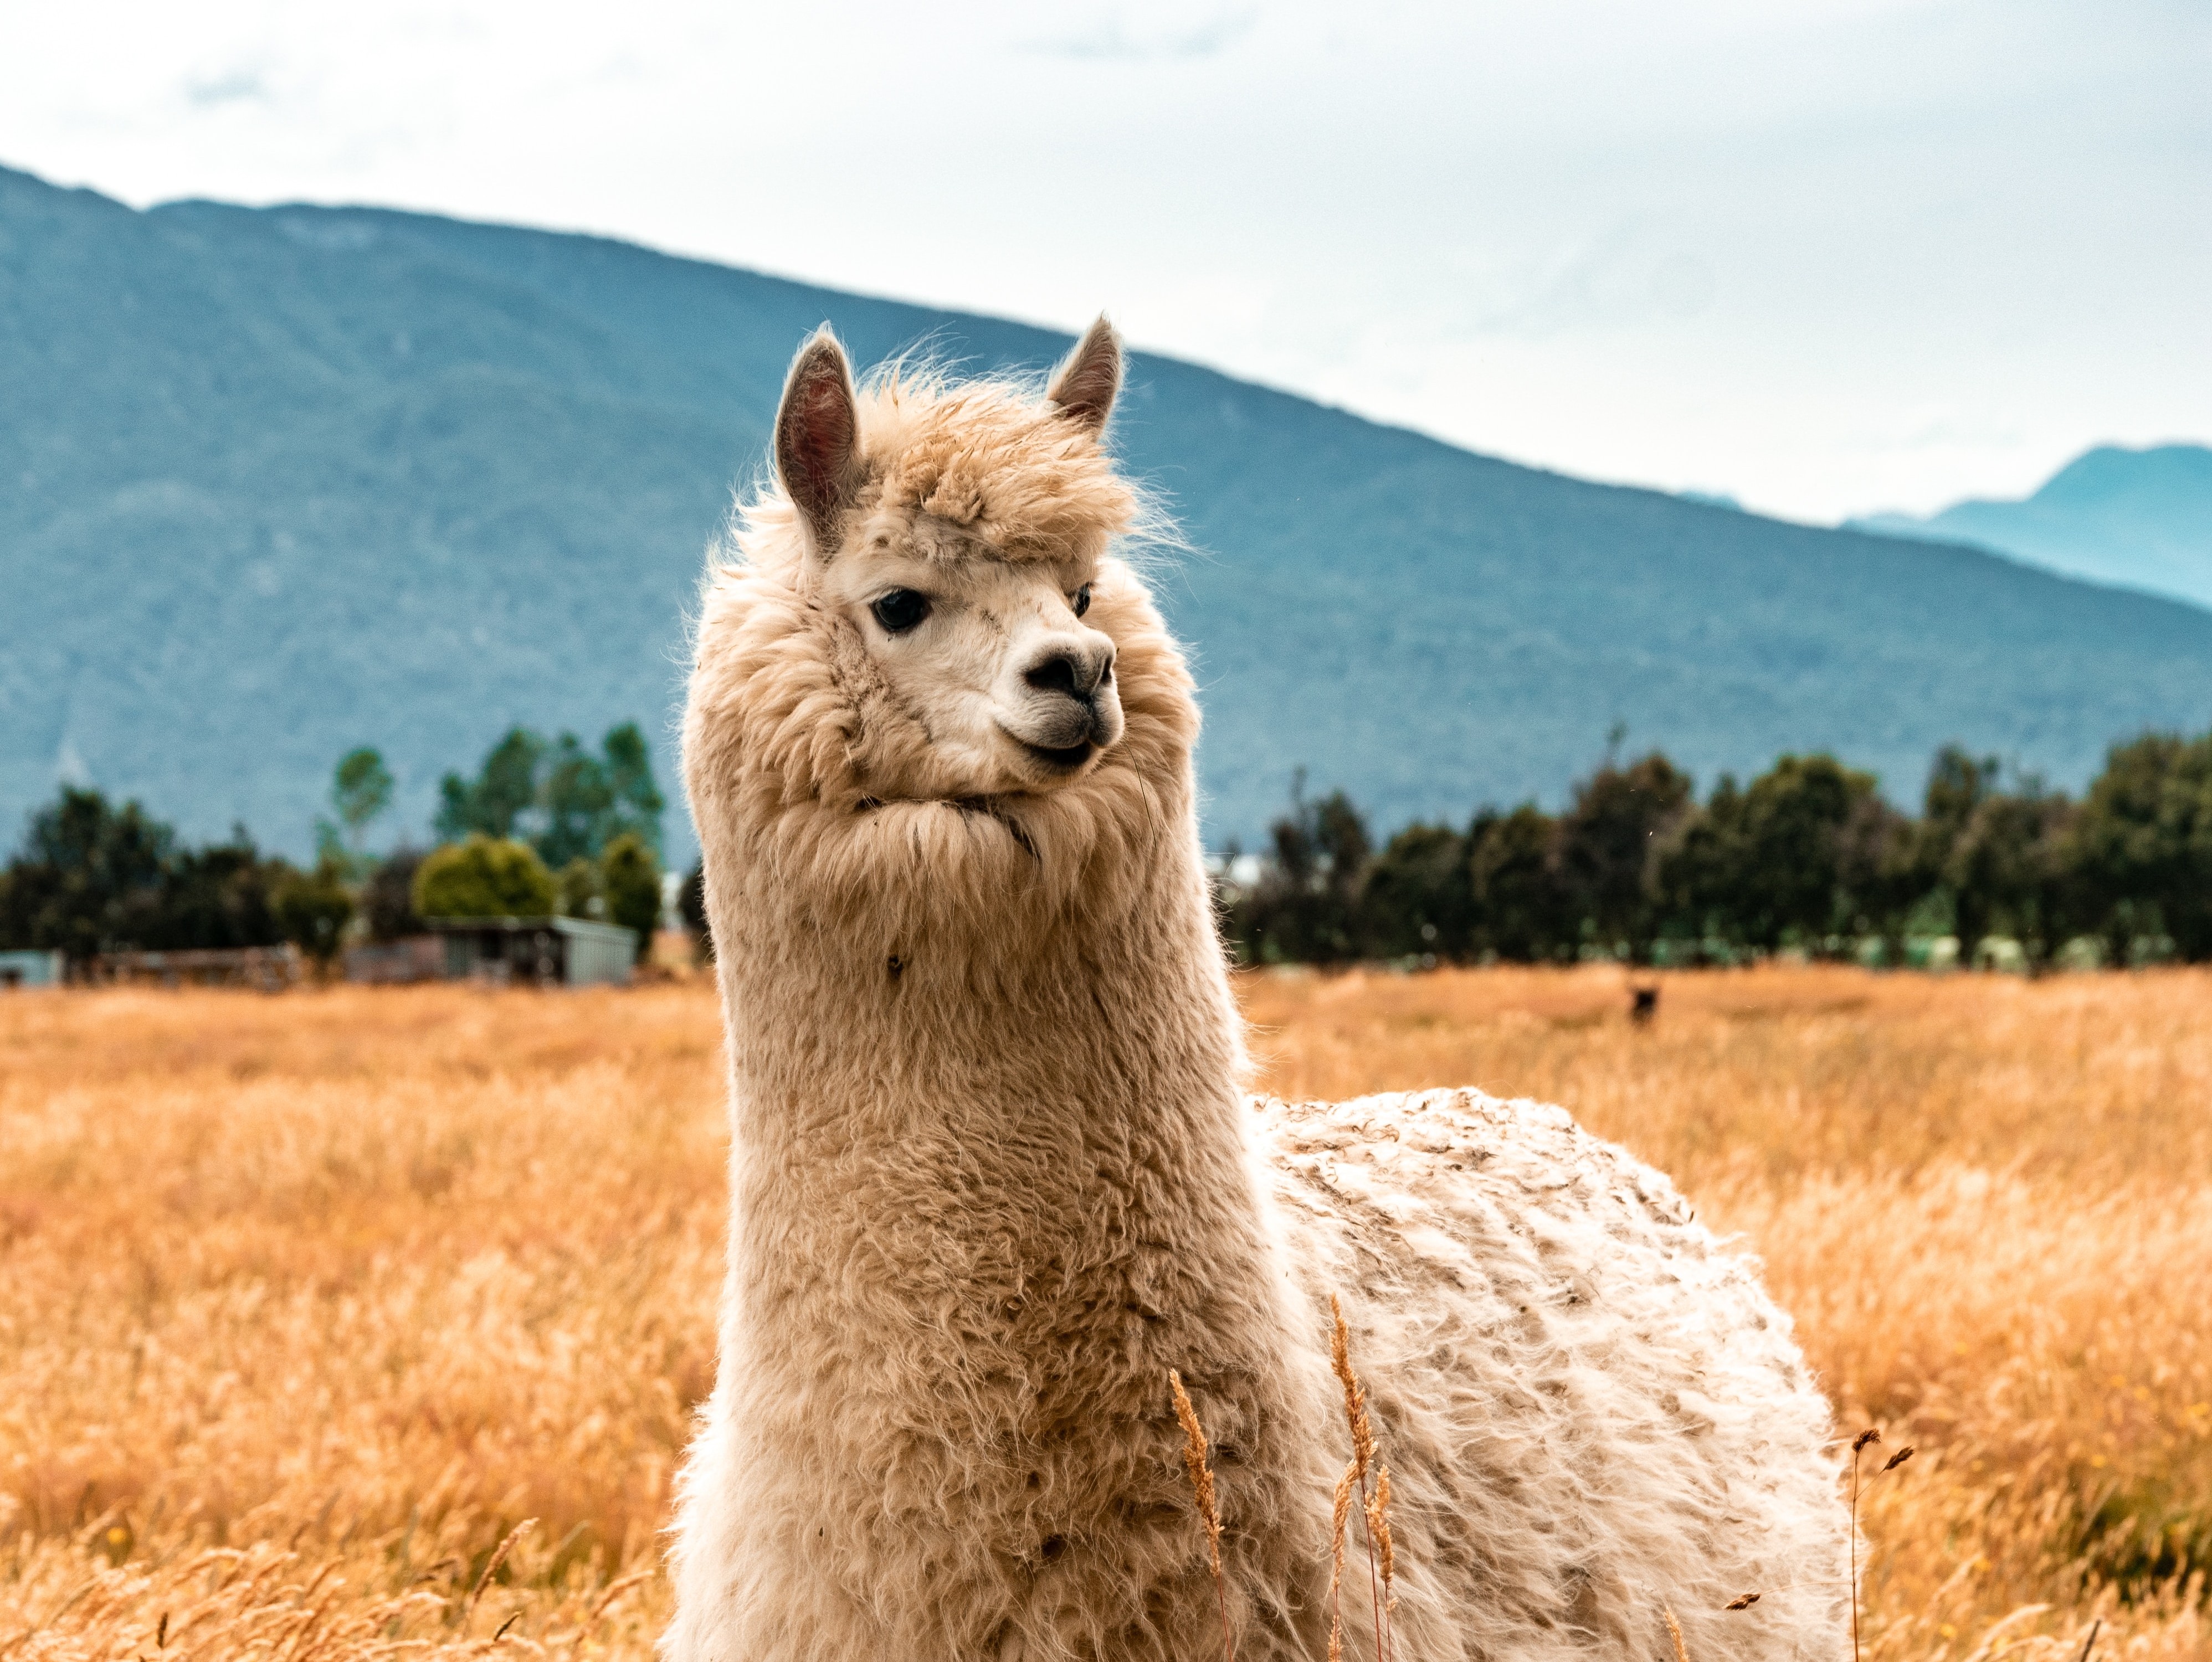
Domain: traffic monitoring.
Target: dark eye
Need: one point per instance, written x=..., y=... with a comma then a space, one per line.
x=1082, y=600
x=901, y=609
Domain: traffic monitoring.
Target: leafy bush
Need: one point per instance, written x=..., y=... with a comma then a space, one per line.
x=484, y=878
x=631, y=879
x=388, y=898
x=313, y=908
x=691, y=907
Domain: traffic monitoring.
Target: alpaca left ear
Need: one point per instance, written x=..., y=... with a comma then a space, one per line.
x=1085, y=383
x=818, y=440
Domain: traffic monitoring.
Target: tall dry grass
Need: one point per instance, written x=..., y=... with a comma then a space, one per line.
x=307, y=1302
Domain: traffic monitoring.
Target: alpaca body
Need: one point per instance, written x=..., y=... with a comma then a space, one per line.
x=992, y=1174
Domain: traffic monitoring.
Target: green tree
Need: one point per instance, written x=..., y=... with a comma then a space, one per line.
x=1879, y=868
x=1697, y=872
x=691, y=907
x=502, y=793
x=388, y=898
x=313, y=908
x=484, y=878
x=1418, y=896
x=1608, y=848
x=1787, y=847
x=2142, y=846
x=360, y=789
x=1306, y=906
x=90, y=877
x=631, y=877
x=637, y=800
x=1958, y=784
x=2010, y=865
x=1521, y=909
x=562, y=798
x=576, y=803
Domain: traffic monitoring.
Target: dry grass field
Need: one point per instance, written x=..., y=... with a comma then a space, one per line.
x=307, y=1301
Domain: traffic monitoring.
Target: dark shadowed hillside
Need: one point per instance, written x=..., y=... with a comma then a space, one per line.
x=278, y=482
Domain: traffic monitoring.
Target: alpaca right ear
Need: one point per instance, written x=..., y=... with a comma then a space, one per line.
x=818, y=439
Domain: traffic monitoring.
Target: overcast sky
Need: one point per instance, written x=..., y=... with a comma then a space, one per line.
x=1826, y=255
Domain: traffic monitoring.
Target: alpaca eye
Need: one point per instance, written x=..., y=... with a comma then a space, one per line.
x=1082, y=600
x=901, y=609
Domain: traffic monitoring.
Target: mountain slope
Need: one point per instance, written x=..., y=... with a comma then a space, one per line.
x=2139, y=519
x=277, y=482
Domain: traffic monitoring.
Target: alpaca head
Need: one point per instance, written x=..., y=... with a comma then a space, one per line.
x=950, y=545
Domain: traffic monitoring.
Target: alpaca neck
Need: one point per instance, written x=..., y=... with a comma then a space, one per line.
x=1022, y=1137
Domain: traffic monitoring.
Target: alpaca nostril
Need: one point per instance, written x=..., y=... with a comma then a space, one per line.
x=1058, y=673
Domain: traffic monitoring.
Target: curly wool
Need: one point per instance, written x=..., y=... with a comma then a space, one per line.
x=994, y=1175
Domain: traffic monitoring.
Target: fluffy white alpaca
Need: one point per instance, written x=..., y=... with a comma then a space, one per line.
x=992, y=1173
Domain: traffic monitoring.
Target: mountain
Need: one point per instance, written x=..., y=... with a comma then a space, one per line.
x=2137, y=519
x=276, y=482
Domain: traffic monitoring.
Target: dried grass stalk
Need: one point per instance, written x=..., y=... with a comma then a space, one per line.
x=1336, y=1532
x=1363, y=1456
x=491, y=1566
x=1209, y=1512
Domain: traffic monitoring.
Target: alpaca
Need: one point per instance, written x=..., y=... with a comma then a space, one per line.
x=994, y=1175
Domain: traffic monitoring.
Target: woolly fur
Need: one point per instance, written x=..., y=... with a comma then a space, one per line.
x=994, y=1175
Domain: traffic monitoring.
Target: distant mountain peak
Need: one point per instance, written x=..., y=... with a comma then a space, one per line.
x=2132, y=517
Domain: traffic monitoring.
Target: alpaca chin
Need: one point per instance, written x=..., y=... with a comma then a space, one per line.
x=992, y=1173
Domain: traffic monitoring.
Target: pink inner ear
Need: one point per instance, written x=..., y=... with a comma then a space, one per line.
x=816, y=441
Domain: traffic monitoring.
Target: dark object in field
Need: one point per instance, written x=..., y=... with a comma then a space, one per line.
x=1644, y=1004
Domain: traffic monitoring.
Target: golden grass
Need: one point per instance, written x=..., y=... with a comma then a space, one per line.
x=307, y=1302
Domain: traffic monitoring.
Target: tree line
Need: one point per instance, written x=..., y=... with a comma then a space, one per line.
x=1807, y=855
x=541, y=828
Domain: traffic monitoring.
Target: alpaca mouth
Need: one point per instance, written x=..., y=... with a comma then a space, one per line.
x=1064, y=760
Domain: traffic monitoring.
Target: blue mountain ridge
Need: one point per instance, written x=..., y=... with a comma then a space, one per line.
x=2134, y=518
x=275, y=482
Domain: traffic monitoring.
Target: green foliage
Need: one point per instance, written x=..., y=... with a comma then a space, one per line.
x=502, y=791
x=313, y=908
x=484, y=878
x=582, y=894
x=1307, y=908
x=361, y=789
x=92, y=877
x=691, y=907
x=1609, y=843
x=388, y=898
x=1807, y=855
x=2142, y=846
x=566, y=802
x=630, y=876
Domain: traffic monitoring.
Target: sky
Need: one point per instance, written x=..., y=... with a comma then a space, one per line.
x=1826, y=256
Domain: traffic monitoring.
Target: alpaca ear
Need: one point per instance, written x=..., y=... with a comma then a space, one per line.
x=818, y=439
x=1085, y=383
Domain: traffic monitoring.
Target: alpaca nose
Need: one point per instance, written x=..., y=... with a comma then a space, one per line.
x=1070, y=669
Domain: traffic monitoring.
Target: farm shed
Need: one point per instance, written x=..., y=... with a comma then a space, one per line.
x=30, y=969
x=547, y=952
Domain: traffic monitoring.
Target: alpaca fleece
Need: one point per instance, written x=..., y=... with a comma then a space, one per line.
x=993, y=1173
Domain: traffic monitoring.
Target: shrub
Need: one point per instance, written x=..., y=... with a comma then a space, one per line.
x=313, y=909
x=388, y=898
x=691, y=907
x=484, y=878
x=630, y=877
